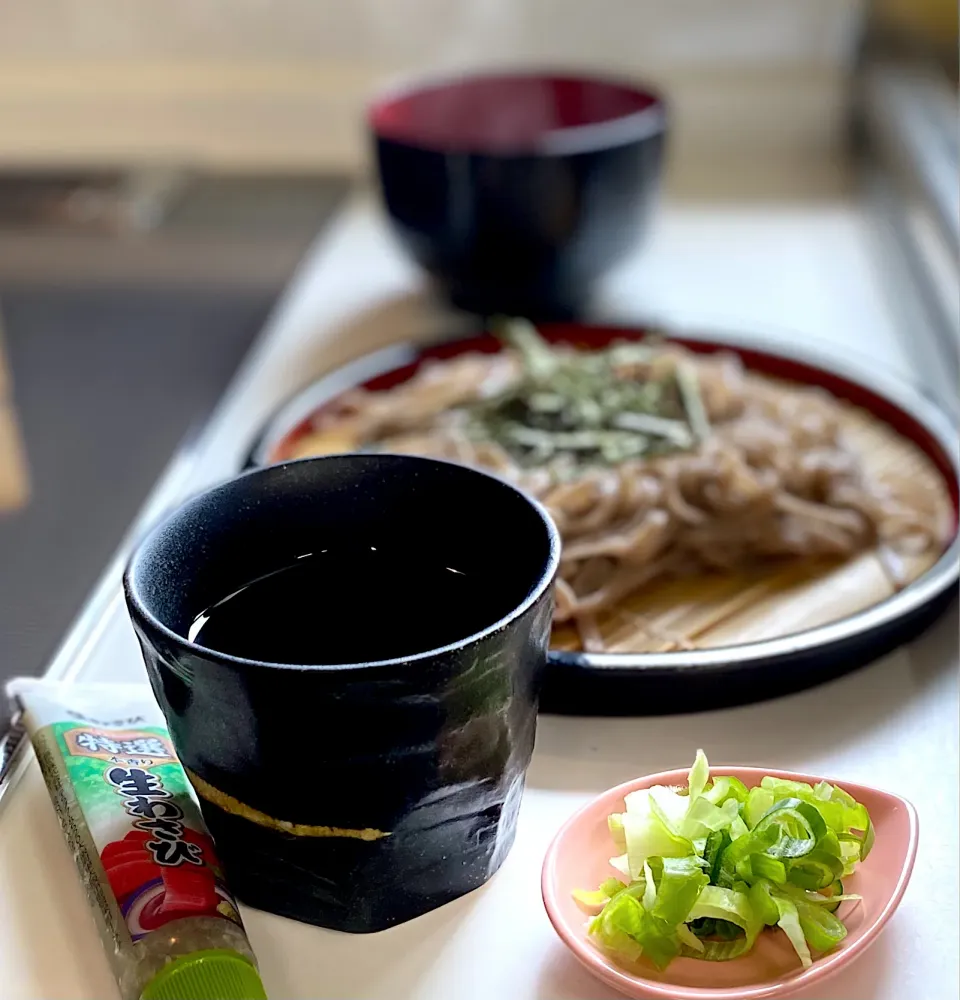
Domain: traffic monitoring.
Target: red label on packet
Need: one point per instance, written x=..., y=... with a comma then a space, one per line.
x=159, y=862
x=169, y=926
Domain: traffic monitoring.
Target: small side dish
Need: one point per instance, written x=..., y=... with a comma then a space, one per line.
x=705, y=869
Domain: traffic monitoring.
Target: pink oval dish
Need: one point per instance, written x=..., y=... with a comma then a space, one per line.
x=578, y=858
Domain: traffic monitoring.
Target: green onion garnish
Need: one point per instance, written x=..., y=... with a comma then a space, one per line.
x=711, y=865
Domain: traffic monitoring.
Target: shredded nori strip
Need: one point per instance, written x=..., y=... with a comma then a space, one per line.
x=591, y=407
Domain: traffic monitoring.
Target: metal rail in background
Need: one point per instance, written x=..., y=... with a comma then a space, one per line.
x=912, y=110
x=907, y=113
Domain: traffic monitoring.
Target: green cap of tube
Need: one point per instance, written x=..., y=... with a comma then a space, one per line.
x=217, y=974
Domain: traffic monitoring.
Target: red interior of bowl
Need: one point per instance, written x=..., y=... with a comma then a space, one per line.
x=498, y=113
x=595, y=337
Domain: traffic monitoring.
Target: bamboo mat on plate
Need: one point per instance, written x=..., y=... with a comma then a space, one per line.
x=726, y=609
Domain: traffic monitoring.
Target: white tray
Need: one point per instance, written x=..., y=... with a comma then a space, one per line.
x=893, y=724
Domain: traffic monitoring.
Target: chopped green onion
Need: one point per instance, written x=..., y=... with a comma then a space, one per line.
x=715, y=845
x=759, y=802
x=727, y=931
x=757, y=841
x=615, y=826
x=820, y=927
x=789, y=922
x=760, y=865
x=590, y=902
x=816, y=870
x=725, y=788
x=838, y=809
x=800, y=826
x=869, y=836
x=763, y=902
x=712, y=864
x=738, y=828
x=621, y=864
x=539, y=359
x=729, y=908
x=689, y=940
x=649, y=837
x=611, y=886
x=617, y=927
x=649, y=888
x=689, y=387
x=698, y=777
x=703, y=817
x=590, y=408
x=646, y=423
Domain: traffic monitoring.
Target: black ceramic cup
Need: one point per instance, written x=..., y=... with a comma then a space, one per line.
x=353, y=795
x=516, y=191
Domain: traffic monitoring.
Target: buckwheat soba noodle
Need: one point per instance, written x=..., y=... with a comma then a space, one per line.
x=655, y=462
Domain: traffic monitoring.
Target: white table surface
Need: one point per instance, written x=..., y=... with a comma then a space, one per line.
x=806, y=270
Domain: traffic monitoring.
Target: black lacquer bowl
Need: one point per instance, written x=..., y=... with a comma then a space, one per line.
x=516, y=191
x=358, y=795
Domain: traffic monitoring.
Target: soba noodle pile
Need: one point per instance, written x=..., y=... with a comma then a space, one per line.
x=654, y=461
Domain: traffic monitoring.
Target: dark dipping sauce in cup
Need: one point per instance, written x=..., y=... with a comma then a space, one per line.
x=349, y=604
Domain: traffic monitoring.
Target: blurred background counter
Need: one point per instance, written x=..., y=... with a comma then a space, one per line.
x=755, y=85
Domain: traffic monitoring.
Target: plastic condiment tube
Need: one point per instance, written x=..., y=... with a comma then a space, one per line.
x=169, y=925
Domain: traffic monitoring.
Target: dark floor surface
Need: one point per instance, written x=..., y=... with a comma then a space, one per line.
x=107, y=382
